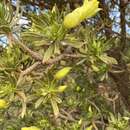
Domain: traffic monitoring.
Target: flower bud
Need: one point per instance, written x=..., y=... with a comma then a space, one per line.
x=87, y=10
x=62, y=88
x=62, y=73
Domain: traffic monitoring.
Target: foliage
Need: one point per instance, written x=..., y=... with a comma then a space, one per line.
x=55, y=78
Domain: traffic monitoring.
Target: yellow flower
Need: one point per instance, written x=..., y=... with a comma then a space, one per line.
x=30, y=128
x=3, y=103
x=62, y=88
x=87, y=10
x=62, y=73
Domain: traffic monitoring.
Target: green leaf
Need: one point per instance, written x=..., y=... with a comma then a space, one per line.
x=56, y=48
x=49, y=53
x=23, y=99
x=55, y=107
x=58, y=100
x=107, y=59
x=110, y=128
x=32, y=36
x=38, y=102
x=95, y=68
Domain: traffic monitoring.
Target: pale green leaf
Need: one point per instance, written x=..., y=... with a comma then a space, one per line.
x=55, y=107
x=49, y=53
x=107, y=59
x=38, y=102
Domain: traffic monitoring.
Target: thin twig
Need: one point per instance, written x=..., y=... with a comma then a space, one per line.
x=33, y=54
x=68, y=115
x=27, y=71
x=38, y=57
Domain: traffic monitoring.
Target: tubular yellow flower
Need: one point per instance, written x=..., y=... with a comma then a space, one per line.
x=30, y=128
x=62, y=73
x=3, y=104
x=87, y=10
